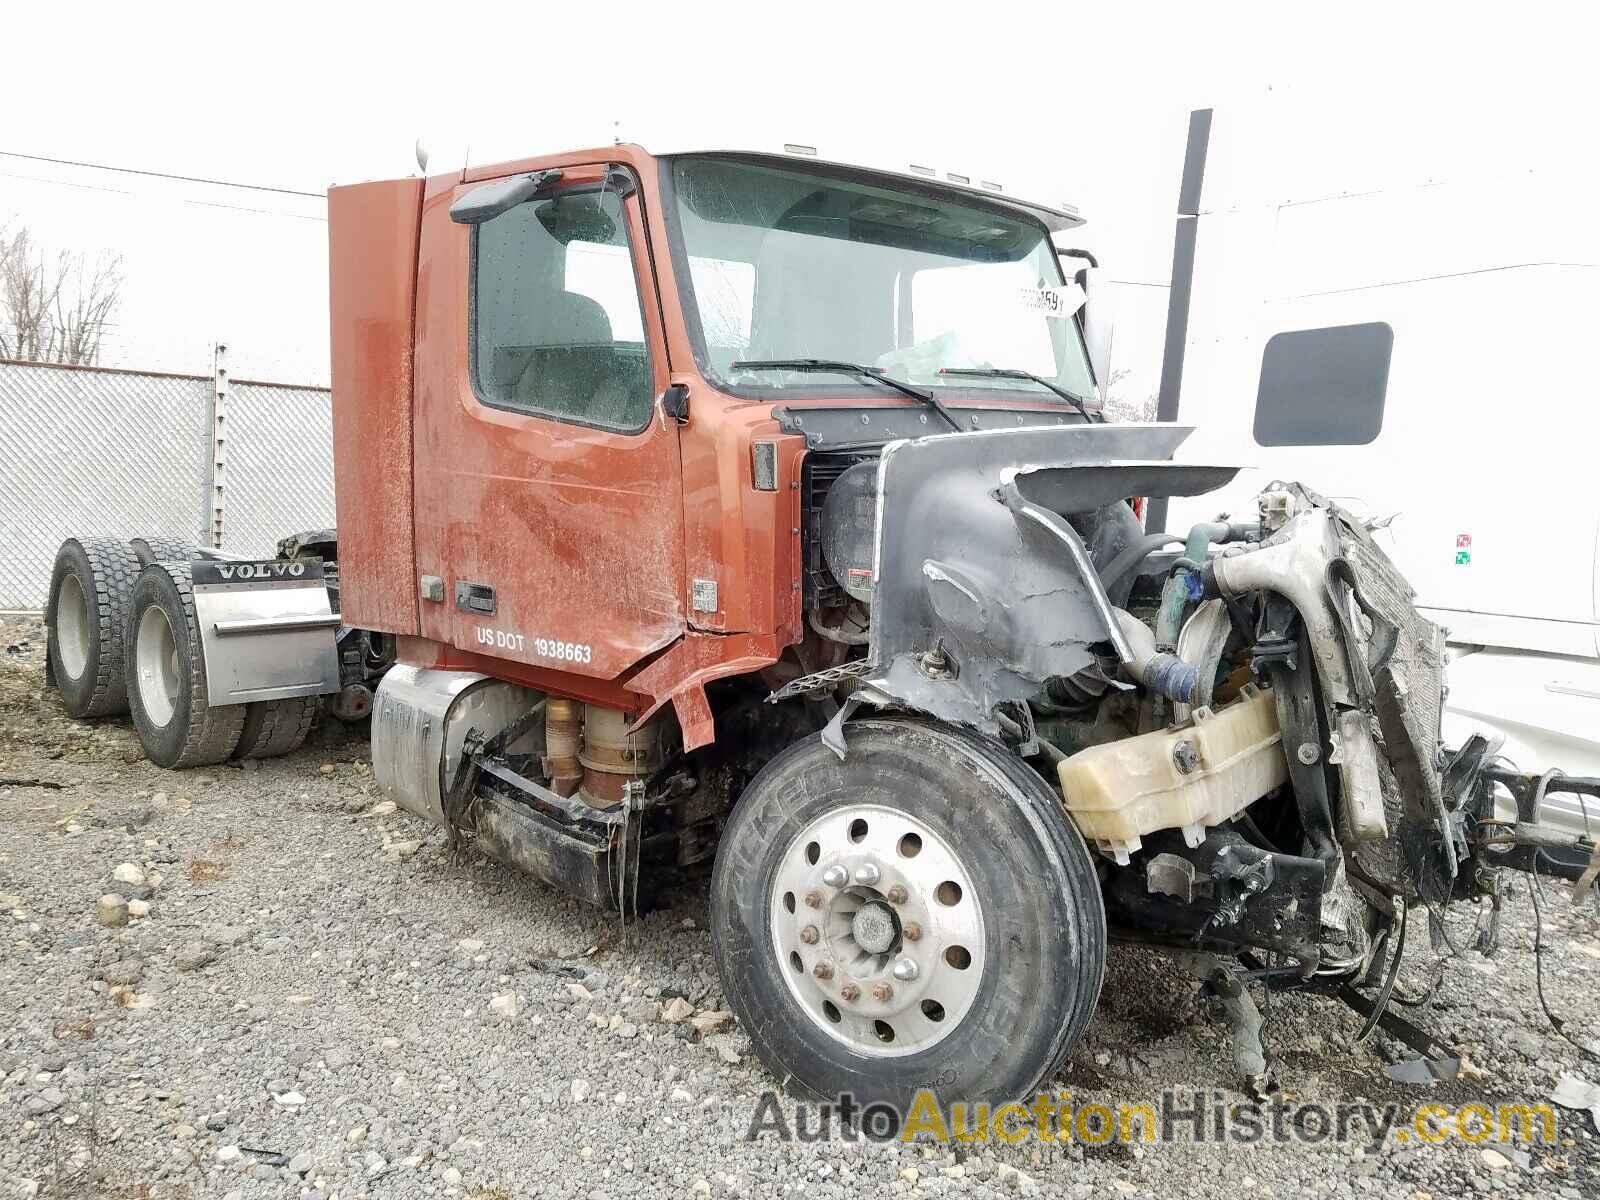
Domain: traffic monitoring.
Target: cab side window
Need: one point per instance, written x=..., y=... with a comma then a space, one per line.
x=1324, y=387
x=557, y=328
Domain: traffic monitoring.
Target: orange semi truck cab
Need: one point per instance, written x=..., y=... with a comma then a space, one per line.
x=554, y=464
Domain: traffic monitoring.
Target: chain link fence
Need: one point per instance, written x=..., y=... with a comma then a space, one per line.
x=90, y=452
x=280, y=465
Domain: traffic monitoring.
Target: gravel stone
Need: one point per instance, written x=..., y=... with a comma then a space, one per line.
x=46, y=1101
x=129, y=873
x=111, y=910
x=125, y=971
x=191, y=956
x=711, y=1022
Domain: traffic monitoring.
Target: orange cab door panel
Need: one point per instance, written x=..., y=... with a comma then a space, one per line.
x=548, y=484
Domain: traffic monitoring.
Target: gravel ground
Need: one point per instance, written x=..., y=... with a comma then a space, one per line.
x=321, y=1000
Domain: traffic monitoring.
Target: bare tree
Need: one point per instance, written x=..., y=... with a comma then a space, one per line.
x=83, y=311
x=1126, y=408
x=26, y=298
x=54, y=309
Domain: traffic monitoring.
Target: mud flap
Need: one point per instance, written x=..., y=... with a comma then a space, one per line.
x=267, y=629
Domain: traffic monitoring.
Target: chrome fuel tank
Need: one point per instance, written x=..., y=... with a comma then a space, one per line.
x=419, y=719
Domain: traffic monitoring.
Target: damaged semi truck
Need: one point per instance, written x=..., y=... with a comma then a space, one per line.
x=755, y=514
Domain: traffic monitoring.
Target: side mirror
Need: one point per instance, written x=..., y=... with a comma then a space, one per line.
x=1083, y=268
x=1097, y=326
x=488, y=201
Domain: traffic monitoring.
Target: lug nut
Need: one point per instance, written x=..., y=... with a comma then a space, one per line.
x=897, y=894
x=813, y=899
x=867, y=873
x=823, y=970
x=905, y=970
x=836, y=876
x=911, y=931
x=849, y=992
x=881, y=992
x=809, y=935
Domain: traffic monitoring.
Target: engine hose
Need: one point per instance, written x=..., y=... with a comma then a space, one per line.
x=1186, y=584
x=1172, y=677
x=1159, y=670
x=1132, y=557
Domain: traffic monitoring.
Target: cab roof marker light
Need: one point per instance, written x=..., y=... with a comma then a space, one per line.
x=990, y=185
x=961, y=179
x=918, y=170
x=796, y=148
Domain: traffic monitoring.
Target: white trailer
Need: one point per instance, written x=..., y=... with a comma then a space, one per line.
x=1423, y=351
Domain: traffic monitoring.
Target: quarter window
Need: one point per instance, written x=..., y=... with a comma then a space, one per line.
x=557, y=327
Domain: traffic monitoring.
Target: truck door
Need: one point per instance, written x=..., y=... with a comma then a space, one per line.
x=548, y=483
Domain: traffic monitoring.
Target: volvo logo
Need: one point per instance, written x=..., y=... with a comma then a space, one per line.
x=261, y=570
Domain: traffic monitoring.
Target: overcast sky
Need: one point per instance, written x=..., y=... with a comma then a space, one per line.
x=1084, y=103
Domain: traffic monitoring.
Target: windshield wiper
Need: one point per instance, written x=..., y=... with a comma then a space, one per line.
x=1010, y=373
x=848, y=368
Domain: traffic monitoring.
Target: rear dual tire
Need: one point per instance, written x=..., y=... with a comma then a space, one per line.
x=163, y=549
x=273, y=728
x=172, y=710
x=90, y=587
x=105, y=595
x=177, y=724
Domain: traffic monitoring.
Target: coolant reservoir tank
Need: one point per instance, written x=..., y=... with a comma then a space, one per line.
x=1197, y=775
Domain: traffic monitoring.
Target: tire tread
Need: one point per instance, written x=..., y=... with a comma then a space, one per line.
x=113, y=570
x=162, y=549
x=273, y=728
x=212, y=731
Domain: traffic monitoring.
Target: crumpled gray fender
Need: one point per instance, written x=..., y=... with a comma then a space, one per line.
x=983, y=588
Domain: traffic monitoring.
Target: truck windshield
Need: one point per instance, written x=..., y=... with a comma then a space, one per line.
x=787, y=264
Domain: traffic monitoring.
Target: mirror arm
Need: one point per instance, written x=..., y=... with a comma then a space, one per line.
x=620, y=180
x=507, y=193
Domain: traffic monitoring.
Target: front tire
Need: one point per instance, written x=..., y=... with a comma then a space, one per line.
x=176, y=723
x=920, y=915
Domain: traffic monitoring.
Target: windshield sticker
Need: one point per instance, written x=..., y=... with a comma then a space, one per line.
x=1060, y=303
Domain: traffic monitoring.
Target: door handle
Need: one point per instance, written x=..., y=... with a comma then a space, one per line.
x=474, y=597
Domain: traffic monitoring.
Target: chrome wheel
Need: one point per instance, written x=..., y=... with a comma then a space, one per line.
x=156, y=664
x=878, y=930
